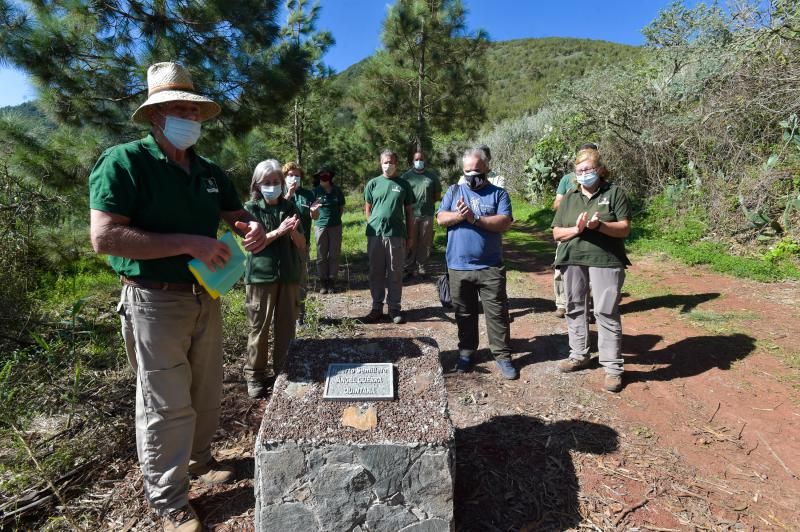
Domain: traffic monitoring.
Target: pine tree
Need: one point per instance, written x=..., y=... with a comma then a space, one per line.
x=89, y=58
x=428, y=79
x=305, y=109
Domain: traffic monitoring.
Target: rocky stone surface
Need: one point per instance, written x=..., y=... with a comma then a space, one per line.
x=315, y=473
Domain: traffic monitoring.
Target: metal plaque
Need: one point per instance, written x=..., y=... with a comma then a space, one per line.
x=356, y=382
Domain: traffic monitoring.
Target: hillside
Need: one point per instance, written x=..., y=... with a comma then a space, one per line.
x=522, y=72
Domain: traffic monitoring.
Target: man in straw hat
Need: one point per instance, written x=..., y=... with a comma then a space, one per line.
x=155, y=204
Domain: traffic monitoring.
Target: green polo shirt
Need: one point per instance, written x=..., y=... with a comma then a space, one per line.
x=388, y=197
x=592, y=248
x=136, y=180
x=426, y=187
x=331, y=206
x=279, y=262
x=567, y=182
x=303, y=198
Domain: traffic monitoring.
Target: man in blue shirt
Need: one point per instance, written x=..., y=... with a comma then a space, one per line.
x=476, y=215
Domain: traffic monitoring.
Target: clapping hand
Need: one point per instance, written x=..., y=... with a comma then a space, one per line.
x=464, y=211
x=314, y=208
x=594, y=223
x=289, y=224
x=255, y=238
x=580, y=223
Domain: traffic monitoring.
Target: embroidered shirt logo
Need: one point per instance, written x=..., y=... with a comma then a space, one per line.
x=604, y=201
x=396, y=189
x=211, y=185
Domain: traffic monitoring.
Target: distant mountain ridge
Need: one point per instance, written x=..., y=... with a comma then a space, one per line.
x=523, y=72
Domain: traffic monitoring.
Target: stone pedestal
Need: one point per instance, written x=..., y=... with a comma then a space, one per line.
x=357, y=466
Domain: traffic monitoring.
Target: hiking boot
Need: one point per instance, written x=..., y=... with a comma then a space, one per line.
x=397, y=318
x=374, y=316
x=507, y=369
x=324, y=288
x=612, y=383
x=570, y=364
x=463, y=364
x=182, y=520
x=561, y=312
x=257, y=389
x=212, y=473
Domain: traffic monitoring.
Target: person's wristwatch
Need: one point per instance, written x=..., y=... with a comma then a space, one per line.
x=475, y=218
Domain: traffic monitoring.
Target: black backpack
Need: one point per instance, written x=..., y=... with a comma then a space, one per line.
x=443, y=287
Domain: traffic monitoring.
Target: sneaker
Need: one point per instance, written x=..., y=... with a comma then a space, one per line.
x=212, y=473
x=507, y=369
x=331, y=286
x=613, y=383
x=374, y=316
x=421, y=272
x=560, y=312
x=182, y=520
x=324, y=288
x=570, y=364
x=397, y=318
x=463, y=364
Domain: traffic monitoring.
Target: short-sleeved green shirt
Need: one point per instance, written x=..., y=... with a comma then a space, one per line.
x=593, y=248
x=332, y=203
x=388, y=197
x=279, y=262
x=567, y=182
x=303, y=198
x=138, y=181
x=426, y=187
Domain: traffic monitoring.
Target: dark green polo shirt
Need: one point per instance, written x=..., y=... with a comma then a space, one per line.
x=137, y=180
x=332, y=204
x=592, y=248
x=389, y=197
x=303, y=198
x=425, y=186
x=279, y=262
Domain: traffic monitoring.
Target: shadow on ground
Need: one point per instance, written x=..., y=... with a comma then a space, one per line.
x=685, y=358
x=516, y=472
x=686, y=303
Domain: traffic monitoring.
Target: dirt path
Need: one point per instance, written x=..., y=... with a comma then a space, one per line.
x=705, y=434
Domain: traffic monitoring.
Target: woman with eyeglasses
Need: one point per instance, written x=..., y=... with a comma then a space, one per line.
x=591, y=224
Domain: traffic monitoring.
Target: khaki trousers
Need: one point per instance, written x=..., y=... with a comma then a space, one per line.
x=419, y=254
x=386, y=256
x=174, y=345
x=329, y=247
x=267, y=303
x=606, y=288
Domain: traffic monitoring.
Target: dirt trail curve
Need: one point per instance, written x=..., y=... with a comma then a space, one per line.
x=705, y=434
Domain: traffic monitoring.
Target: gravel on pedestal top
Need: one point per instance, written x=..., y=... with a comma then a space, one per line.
x=418, y=414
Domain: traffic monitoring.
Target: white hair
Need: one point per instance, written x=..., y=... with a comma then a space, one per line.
x=263, y=169
x=474, y=152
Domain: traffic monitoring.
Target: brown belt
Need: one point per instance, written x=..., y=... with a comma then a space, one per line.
x=193, y=288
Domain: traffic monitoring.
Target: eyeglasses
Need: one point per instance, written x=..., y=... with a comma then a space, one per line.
x=586, y=171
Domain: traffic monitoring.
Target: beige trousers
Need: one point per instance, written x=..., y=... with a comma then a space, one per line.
x=419, y=254
x=174, y=345
x=268, y=302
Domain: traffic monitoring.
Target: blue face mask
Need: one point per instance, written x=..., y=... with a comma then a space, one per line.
x=180, y=132
x=271, y=192
x=419, y=165
x=587, y=180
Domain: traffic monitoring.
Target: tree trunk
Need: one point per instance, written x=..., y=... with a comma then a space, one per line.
x=420, y=91
x=298, y=133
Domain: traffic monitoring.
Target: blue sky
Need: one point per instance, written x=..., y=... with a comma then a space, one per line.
x=356, y=26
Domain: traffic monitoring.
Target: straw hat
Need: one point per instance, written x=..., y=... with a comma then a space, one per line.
x=170, y=82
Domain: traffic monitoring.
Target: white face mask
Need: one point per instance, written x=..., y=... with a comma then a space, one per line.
x=180, y=132
x=292, y=179
x=388, y=169
x=270, y=192
x=587, y=180
x=419, y=165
